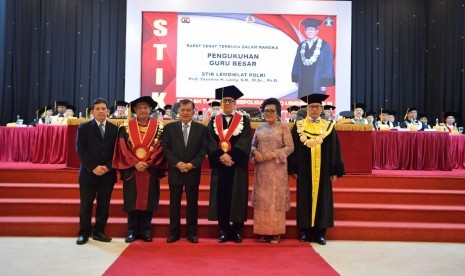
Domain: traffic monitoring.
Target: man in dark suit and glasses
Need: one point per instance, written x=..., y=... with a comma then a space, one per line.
x=185, y=147
x=94, y=145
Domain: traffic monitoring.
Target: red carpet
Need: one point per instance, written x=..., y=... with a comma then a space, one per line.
x=210, y=258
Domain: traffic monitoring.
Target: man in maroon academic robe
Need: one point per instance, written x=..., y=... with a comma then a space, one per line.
x=139, y=157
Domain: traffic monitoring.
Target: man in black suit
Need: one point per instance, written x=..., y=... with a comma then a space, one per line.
x=185, y=147
x=94, y=145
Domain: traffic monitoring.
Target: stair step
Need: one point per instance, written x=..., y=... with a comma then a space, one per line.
x=343, y=230
x=341, y=195
x=343, y=211
x=399, y=213
x=399, y=196
x=63, y=191
x=367, y=207
x=400, y=182
x=398, y=231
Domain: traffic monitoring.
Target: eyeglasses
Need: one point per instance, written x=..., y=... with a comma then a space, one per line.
x=269, y=111
x=228, y=100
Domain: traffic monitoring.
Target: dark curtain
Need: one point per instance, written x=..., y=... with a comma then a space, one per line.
x=409, y=53
x=70, y=50
x=404, y=53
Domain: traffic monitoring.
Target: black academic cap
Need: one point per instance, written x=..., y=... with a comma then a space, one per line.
x=61, y=103
x=450, y=113
x=292, y=108
x=121, y=103
x=347, y=114
x=382, y=110
x=359, y=105
x=410, y=109
x=167, y=107
x=329, y=107
x=391, y=112
x=144, y=99
x=72, y=107
x=214, y=103
x=370, y=113
x=421, y=115
x=229, y=91
x=311, y=22
x=42, y=109
x=413, y=108
x=162, y=111
x=314, y=98
x=48, y=107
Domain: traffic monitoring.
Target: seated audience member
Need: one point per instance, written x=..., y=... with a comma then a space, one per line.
x=423, y=117
x=358, y=114
x=46, y=117
x=370, y=116
x=450, y=124
x=384, y=119
x=40, y=113
x=61, y=110
x=216, y=108
x=410, y=120
x=121, y=111
x=328, y=113
x=69, y=113
x=301, y=113
x=158, y=113
x=292, y=111
x=167, y=109
x=392, y=117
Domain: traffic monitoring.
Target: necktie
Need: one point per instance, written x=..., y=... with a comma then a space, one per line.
x=317, y=120
x=184, y=133
x=102, y=130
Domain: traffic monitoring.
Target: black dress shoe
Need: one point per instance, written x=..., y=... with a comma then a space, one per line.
x=82, y=240
x=320, y=240
x=130, y=238
x=193, y=239
x=100, y=236
x=223, y=238
x=304, y=238
x=147, y=238
x=237, y=238
x=172, y=239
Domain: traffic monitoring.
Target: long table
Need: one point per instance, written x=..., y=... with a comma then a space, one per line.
x=45, y=144
x=399, y=150
x=362, y=150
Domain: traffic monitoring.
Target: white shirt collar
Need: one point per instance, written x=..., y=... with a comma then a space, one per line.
x=189, y=123
x=104, y=122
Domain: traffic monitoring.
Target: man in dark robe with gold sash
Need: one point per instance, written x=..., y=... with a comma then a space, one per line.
x=139, y=156
x=316, y=163
x=229, y=145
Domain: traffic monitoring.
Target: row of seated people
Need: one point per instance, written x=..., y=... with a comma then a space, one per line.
x=386, y=119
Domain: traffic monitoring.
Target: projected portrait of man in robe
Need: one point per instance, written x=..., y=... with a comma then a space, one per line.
x=313, y=69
